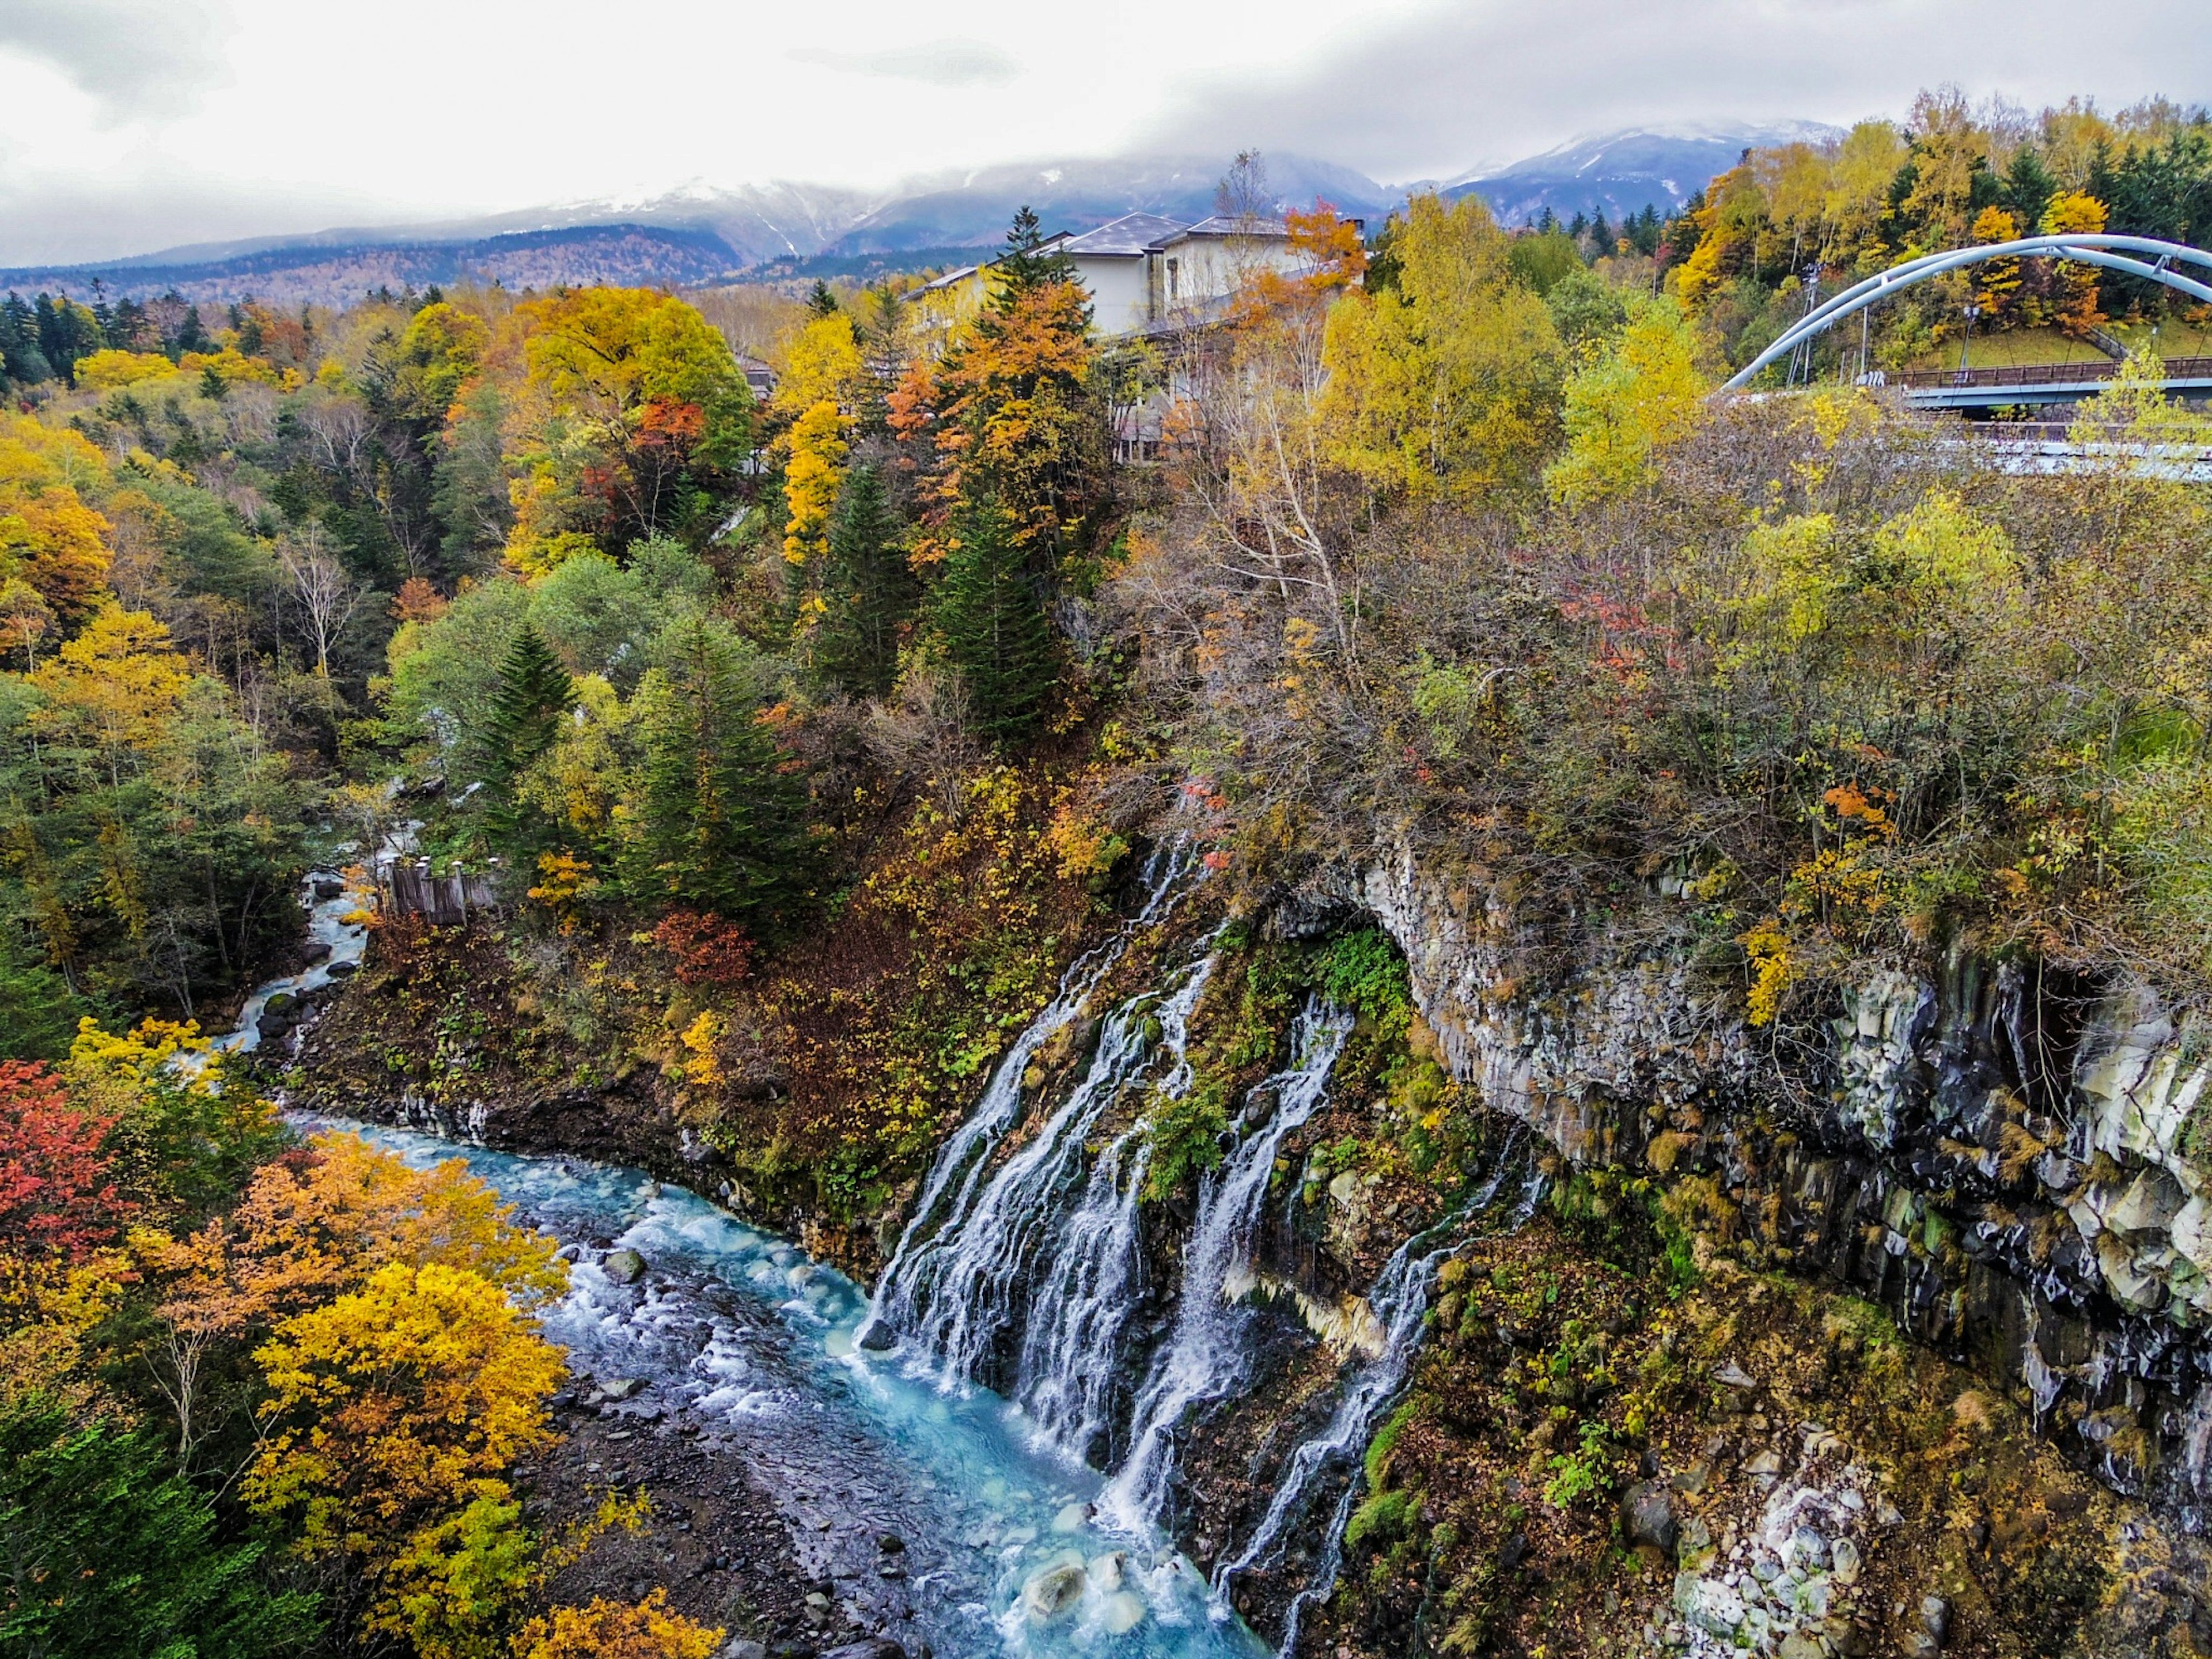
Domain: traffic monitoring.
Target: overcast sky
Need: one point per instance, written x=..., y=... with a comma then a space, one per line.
x=127, y=125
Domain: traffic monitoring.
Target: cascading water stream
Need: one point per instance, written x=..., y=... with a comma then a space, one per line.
x=1205, y=1355
x=969, y=1286
x=1074, y=1355
x=1400, y=1300
x=949, y=1191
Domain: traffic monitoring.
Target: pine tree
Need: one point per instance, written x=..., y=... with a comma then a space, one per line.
x=822, y=302
x=2029, y=187
x=109, y=1555
x=868, y=587
x=534, y=694
x=192, y=333
x=1024, y=266
x=718, y=815
x=994, y=630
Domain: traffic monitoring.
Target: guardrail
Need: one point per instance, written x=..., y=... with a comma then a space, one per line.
x=2037, y=374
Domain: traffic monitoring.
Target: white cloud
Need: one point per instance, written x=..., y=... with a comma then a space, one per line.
x=129, y=123
x=935, y=64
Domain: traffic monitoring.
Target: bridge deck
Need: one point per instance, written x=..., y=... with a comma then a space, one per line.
x=2035, y=383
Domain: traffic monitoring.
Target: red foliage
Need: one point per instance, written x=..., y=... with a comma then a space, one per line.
x=666, y=424
x=56, y=1195
x=704, y=950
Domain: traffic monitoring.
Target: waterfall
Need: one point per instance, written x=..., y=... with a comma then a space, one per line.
x=1204, y=1356
x=950, y=1189
x=1399, y=1299
x=958, y=1293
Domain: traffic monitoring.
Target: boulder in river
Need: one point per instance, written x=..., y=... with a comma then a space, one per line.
x=875, y=1647
x=343, y=970
x=624, y=1266
x=328, y=887
x=1647, y=1515
x=621, y=1387
x=1053, y=1591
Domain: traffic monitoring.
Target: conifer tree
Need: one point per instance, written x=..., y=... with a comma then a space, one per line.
x=868, y=587
x=993, y=628
x=1024, y=266
x=719, y=814
x=109, y=1553
x=534, y=694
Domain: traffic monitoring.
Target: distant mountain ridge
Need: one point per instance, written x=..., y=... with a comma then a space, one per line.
x=1623, y=172
x=701, y=233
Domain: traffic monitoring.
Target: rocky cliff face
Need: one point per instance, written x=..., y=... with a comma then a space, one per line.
x=2009, y=1165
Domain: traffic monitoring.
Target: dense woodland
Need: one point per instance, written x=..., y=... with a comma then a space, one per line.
x=882, y=681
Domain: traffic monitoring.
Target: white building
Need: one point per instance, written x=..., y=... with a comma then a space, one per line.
x=1144, y=273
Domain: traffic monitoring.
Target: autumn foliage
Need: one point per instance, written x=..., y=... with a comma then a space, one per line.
x=704, y=951
x=609, y=1630
x=58, y=1192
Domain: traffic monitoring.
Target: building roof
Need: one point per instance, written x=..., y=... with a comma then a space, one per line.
x=1223, y=224
x=1128, y=236
x=951, y=279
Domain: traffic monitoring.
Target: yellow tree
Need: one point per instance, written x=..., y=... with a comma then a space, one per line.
x=609, y=1630
x=1949, y=146
x=56, y=545
x=1859, y=176
x=442, y=347
x=624, y=389
x=309, y=1228
x=393, y=1411
x=1448, y=385
x=2075, y=294
x=811, y=481
x=1996, y=281
x=1728, y=227
x=1627, y=404
x=116, y=686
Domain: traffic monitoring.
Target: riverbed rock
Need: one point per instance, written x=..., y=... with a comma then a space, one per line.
x=875, y=1647
x=1053, y=1592
x=742, y=1647
x=328, y=887
x=621, y=1387
x=624, y=1266
x=1105, y=1571
x=1647, y=1515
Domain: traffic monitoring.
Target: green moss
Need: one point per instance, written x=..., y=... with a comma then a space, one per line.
x=1186, y=1138
x=1382, y=1516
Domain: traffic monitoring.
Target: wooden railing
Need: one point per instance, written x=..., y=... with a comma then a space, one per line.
x=2036, y=375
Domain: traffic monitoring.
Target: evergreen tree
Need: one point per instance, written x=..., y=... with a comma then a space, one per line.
x=1025, y=265
x=534, y=695
x=2027, y=188
x=191, y=334
x=1601, y=237
x=995, y=631
x=822, y=302
x=868, y=587
x=21, y=362
x=107, y=1554
x=718, y=815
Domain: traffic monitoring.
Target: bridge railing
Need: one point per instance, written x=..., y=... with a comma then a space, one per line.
x=2037, y=374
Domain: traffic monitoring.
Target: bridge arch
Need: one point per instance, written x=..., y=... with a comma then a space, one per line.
x=2093, y=248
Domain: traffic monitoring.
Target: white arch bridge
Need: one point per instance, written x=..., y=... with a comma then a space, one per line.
x=2143, y=257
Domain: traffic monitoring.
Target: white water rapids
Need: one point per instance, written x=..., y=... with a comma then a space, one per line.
x=1024, y=1269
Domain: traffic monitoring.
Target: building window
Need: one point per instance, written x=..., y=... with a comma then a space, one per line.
x=1172, y=296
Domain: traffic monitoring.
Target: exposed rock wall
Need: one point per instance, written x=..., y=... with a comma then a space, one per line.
x=2005, y=1163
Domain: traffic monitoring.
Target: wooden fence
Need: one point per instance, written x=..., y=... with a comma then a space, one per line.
x=407, y=888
